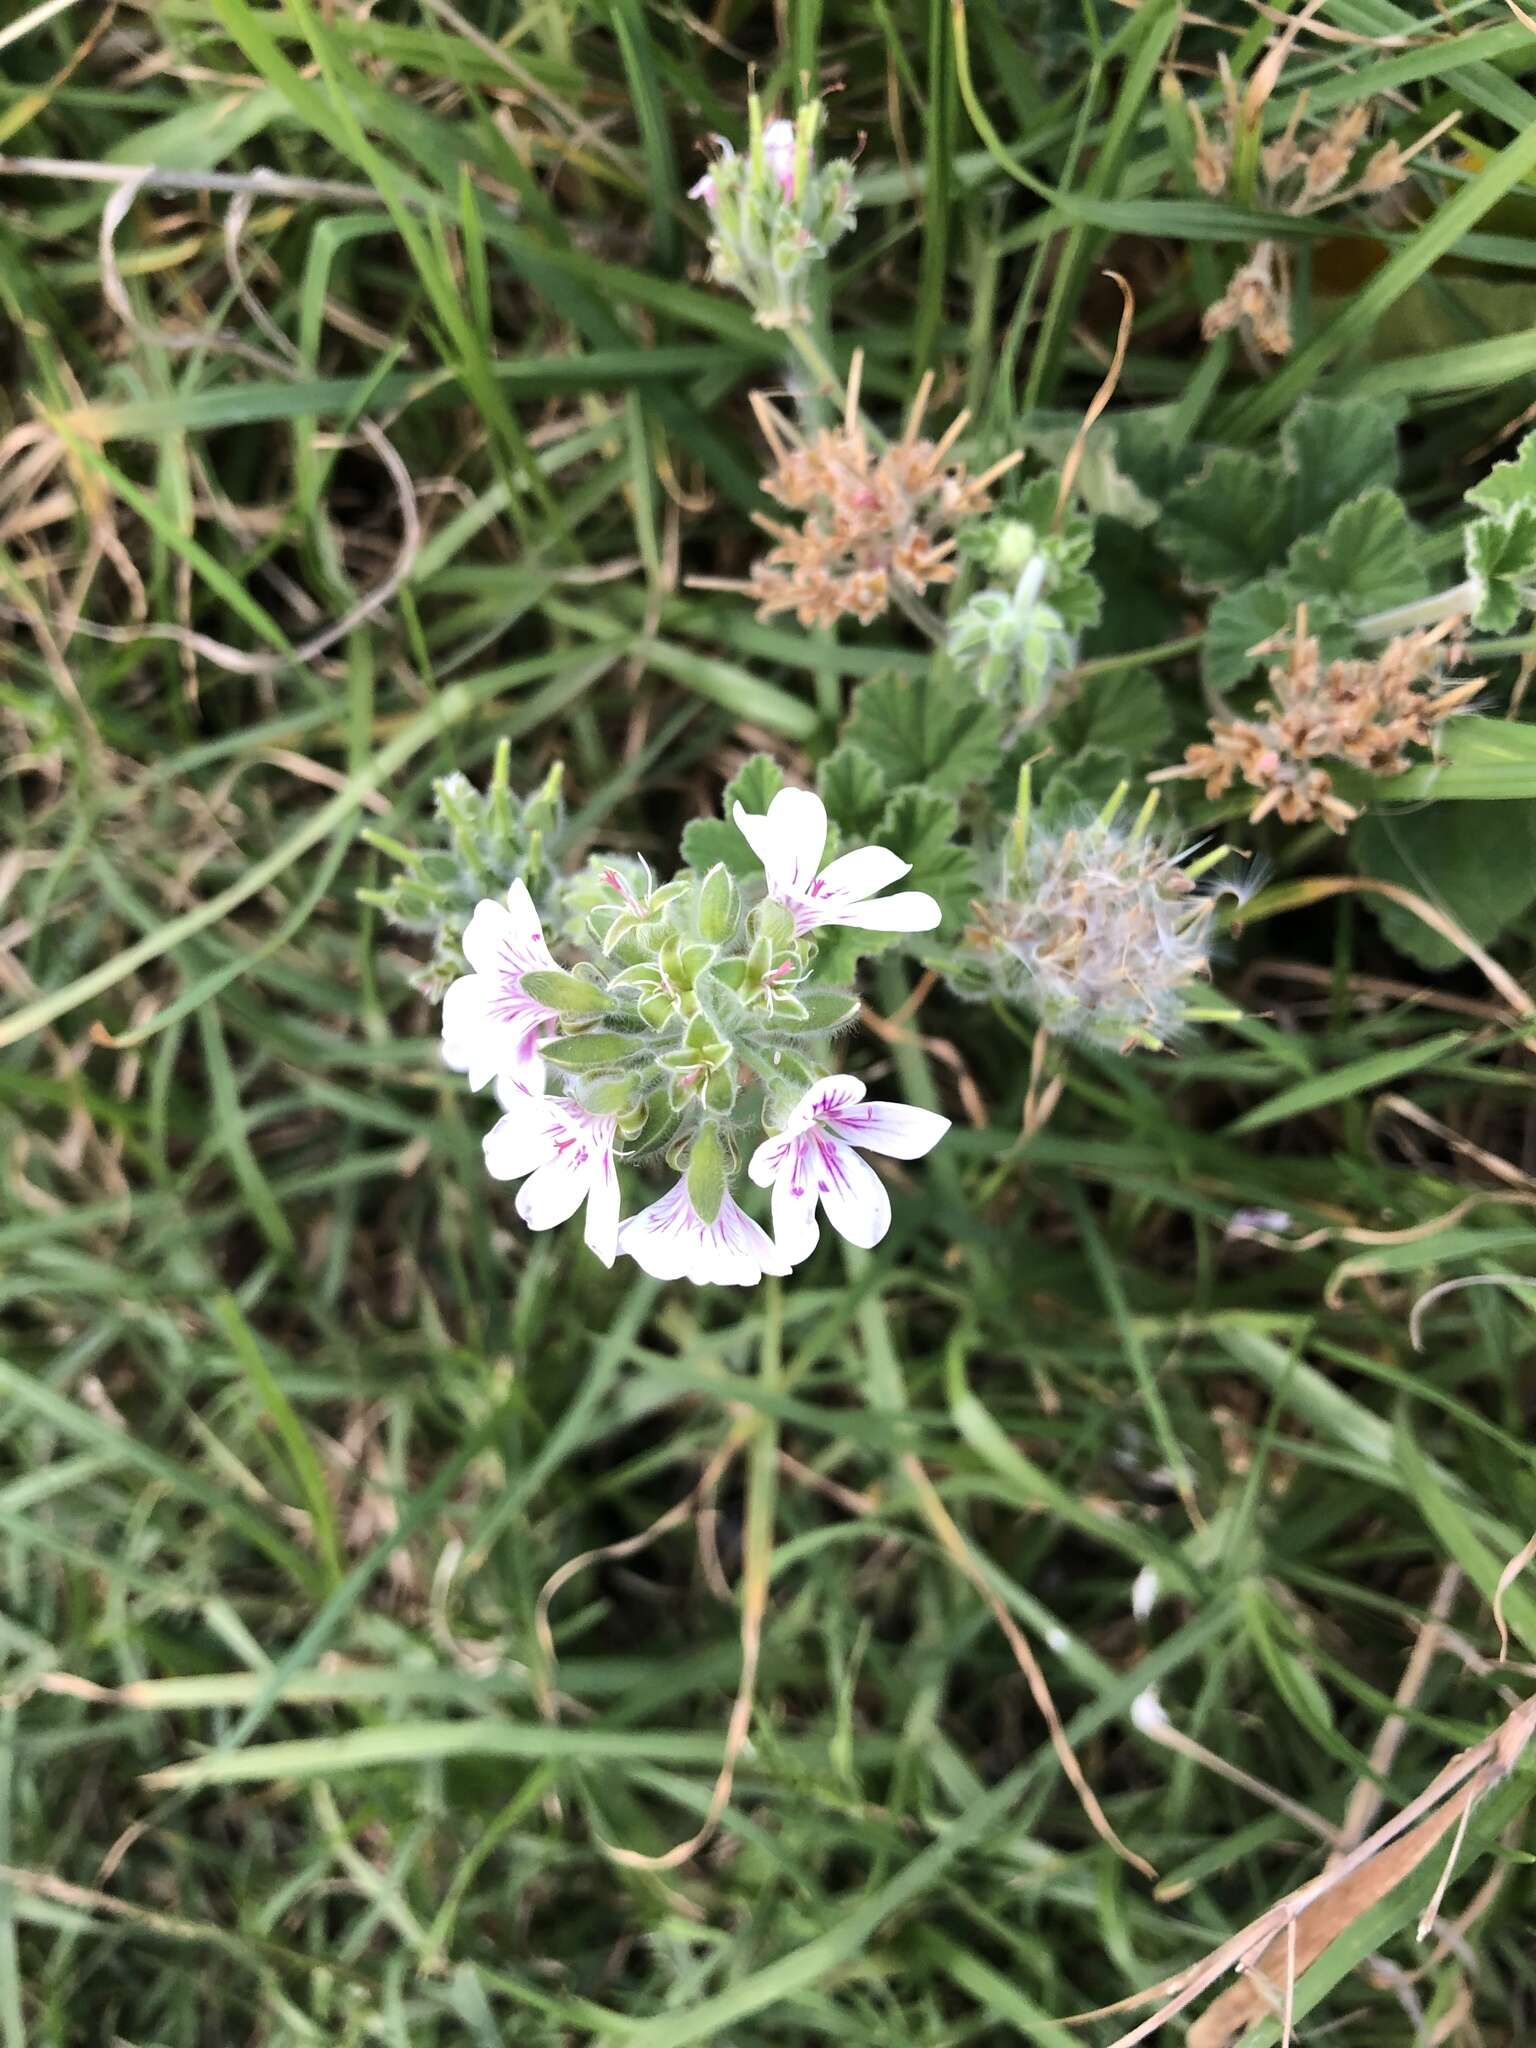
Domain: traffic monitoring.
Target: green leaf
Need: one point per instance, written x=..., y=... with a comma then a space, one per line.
x=713, y=842
x=1508, y=484
x=1501, y=560
x=1349, y=1082
x=707, y=842
x=1336, y=449
x=1483, y=875
x=921, y=826
x=1238, y=621
x=854, y=791
x=925, y=729
x=1228, y=524
x=1365, y=559
x=1103, y=486
x=754, y=786
x=1154, y=459
x=1123, y=713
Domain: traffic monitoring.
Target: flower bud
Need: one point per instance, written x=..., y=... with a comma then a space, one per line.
x=719, y=906
x=706, y=1174
x=773, y=924
x=571, y=996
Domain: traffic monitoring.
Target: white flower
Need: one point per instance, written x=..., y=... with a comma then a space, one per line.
x=671, y=1241
x=812, y=1160
x=567, y=1154
x=779, y=154
x=491, y=1026
x=790, y=838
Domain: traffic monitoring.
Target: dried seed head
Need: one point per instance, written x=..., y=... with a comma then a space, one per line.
x=869, y=520
x=1365, y=712
x=1259, y=299
x=1101, y=930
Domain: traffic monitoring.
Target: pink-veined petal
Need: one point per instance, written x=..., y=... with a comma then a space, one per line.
x=896, y=1129
x=912, y=911
x=654, y=1238
x=864, y=872
x=764, y=1165
x=554, y=1193
x=827, y=1098
x=735, y=1251
x=851, y=1192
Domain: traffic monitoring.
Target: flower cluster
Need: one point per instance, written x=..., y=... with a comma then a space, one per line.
x=873, y=521
x=1098, y=928
x=1364, y=712
x=686, y=1022
x=773, y=213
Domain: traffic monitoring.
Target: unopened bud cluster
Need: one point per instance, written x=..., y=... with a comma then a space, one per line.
x=1012, y=641
x=1099, y=928
x=488, y=840
x=774, y=214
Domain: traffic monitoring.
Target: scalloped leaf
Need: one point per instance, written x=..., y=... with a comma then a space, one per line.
x=1336, y=449
x=926, y=729
x=1365, y=559
x=1501, y=559
x=1508, y=484
x=853, y=788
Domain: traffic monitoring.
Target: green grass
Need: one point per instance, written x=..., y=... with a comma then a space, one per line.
x=298, y=1421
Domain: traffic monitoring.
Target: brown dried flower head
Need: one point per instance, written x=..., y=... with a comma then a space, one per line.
x=1259, y=299
x=873, y=521
x=1368, y=713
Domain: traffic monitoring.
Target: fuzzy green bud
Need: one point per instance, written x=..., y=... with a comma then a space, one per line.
x=572, y=996
x=719, y=906
x=706, y=1173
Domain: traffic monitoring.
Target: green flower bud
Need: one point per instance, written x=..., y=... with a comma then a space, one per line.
x=706, y=1174
x=571, y=995
x=719, y=906
x=774, y=922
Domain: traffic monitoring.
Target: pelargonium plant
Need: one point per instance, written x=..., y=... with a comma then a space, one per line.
x=682, y=1026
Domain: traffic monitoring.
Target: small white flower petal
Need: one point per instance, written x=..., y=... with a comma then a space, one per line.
x=864, y=872
x=602, y=1225
x=897, y=1129
x=671, y=1242
x=829, y=1098
x=554, y=1193
x=851, y=1192
x=767, y=1161
x=912, y=911
x=521, y=1141
x=795, y=1229
x=489, y=928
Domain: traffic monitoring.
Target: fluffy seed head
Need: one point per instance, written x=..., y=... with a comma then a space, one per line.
x=1100, y=929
